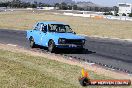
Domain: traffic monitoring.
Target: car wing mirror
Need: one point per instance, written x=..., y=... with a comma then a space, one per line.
x=74, y=32
x=35, y=28
x=44, y=31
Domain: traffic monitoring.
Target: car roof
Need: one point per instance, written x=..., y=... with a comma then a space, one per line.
x=52, y=22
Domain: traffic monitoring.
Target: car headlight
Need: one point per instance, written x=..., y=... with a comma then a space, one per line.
x=83, y=41
x=61, y=41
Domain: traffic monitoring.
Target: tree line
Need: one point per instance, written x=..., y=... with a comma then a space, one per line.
x=20, y=4
x=65, y=6
x=62, y=6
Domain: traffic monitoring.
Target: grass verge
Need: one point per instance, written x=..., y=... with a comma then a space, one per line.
x=19, y=70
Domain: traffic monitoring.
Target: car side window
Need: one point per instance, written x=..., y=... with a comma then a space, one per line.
x=44, y=27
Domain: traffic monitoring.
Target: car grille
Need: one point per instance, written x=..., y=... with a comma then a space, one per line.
x=74, y=41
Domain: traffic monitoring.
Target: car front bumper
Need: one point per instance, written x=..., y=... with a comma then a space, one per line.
x=69, y=46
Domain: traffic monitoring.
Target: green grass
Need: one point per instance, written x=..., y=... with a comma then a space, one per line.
x=18, y=70
x=25, y=20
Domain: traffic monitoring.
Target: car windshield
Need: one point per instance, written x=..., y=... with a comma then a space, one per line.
x=60, y=28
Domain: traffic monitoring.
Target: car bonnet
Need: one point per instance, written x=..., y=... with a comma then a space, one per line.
x=67, y=35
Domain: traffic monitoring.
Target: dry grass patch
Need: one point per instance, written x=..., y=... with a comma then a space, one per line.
x=100, y=27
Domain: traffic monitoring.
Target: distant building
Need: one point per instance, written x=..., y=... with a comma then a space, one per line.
x=125, y=8
x=29, y=8
x=3, y=8
x=47, y=8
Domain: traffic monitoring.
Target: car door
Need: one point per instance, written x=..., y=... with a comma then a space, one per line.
x=43, y=34
x=37, y=34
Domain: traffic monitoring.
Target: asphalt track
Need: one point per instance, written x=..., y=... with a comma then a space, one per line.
x=111, y=53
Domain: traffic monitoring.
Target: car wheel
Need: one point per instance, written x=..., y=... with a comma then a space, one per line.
x=81, y=50
x=32, y=43
x=51, y=46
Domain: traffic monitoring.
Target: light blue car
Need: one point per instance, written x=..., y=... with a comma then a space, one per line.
x=54, y=35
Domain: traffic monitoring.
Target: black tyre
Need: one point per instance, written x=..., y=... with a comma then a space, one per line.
x=80, y=51
x=51, y=46
x=32, y=43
